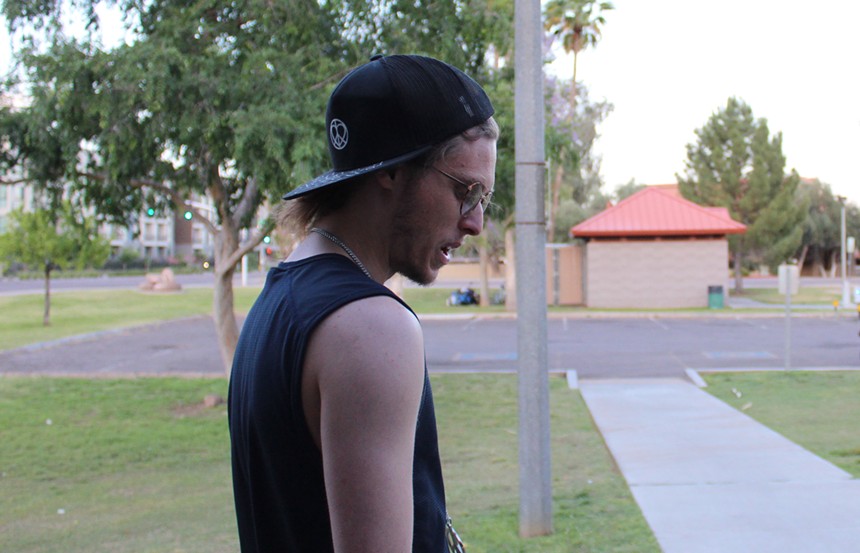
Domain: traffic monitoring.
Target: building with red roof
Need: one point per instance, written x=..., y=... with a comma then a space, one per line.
x=655, y=249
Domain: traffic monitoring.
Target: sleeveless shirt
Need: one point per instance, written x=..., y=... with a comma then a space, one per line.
x=277, y=468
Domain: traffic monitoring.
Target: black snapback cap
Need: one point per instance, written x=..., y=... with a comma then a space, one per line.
x=394, y=109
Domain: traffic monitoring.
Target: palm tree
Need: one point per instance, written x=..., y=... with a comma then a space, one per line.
x=577, y=23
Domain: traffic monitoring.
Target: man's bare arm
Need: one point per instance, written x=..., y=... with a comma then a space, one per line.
x=366, y=362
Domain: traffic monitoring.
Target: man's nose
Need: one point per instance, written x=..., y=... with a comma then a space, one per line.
x=472, y=223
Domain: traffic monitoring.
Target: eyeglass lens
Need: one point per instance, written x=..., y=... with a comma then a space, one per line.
x=474, y=196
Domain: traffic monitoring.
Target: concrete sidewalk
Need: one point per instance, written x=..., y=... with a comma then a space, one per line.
x=709, y=479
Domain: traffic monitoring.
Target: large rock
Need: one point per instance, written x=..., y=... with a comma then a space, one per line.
x=162, y=282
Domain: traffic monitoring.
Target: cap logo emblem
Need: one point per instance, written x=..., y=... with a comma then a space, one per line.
x=338, y=134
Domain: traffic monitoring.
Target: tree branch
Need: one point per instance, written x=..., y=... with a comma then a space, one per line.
x=178, y=199
x=4, y=182
x=252, y=242
x=248, y=203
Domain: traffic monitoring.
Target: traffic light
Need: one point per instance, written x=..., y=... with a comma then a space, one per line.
x=267, y=239
x=150, y=212
x=187, y=215
x=269, y=251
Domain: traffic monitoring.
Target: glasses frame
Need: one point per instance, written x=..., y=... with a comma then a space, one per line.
x=483, y=200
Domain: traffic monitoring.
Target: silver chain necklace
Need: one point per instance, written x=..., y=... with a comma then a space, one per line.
x=338, y=242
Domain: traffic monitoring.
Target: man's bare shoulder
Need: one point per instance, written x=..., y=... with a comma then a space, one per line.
x=375, y=317
x=376, y=334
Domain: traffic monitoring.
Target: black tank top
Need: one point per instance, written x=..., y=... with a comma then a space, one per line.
x=277, y=468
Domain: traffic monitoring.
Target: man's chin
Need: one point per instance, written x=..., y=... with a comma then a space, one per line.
x=424, y=278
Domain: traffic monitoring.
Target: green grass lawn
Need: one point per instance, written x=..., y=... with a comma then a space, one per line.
x=142, y=466
x=818, y=410
x=81, y=312
x=808, y=296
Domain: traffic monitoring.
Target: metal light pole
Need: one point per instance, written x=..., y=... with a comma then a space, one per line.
x=533, y=385
x=843, y=257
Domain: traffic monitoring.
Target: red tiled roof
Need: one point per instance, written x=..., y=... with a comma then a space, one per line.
x=654, y=211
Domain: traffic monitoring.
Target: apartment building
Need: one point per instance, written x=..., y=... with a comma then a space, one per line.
x=154, y=237
x=12, y=197
x=167, y=235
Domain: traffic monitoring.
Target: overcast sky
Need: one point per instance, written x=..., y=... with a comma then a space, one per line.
x=667, y=65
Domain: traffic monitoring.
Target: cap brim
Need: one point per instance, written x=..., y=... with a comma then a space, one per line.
x=334, y=177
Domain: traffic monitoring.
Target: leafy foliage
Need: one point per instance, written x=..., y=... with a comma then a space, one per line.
x=52, y=239
x=571, y=131
x=628, y=189
x=577, y=23
x=734, y=163
x=822, y=225
x=40, y=239
x=214, y=99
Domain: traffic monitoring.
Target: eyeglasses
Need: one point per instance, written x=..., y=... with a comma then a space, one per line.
x=474, y=195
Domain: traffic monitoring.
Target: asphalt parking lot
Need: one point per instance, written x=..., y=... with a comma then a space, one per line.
x=643, y=346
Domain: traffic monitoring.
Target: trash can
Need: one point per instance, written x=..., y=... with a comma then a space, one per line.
x=715, y=297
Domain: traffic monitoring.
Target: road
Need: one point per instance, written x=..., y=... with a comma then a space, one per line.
x=627, y=347
x=650, y=346
x=13, y=286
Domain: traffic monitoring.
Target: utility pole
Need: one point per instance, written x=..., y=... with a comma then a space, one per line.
x=530, y=222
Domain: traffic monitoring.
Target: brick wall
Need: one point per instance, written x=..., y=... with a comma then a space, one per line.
x=654, y=273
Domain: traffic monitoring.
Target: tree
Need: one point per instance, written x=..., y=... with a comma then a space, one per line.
x=206, y=98
x=578, y=24
x=821, y=226
x=734, y=163
x=570, y=134
x=852, y=224
x=48, y=240
x=628, y=189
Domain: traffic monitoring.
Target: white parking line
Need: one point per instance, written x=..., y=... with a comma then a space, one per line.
x=658, y=323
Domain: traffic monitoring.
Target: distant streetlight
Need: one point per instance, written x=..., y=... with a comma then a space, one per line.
x=843, y=255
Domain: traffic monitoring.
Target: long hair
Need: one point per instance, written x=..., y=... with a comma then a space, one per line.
x=299, y=215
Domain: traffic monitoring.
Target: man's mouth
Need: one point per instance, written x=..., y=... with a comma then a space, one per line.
x=447, y=250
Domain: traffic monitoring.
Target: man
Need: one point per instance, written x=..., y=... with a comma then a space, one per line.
x=331, y=414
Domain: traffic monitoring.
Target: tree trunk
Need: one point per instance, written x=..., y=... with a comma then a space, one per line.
x=817, y=264
x=46, y=318
x=226, y=326
x=484, y=264
x=227, y=242
x=739, y=258
x=802, y=259
x=556, y=195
